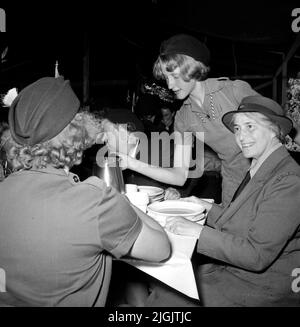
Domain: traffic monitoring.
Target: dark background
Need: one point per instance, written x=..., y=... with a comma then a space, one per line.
x=247, y=40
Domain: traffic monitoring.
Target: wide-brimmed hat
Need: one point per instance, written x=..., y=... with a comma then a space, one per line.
x=263, y=105
x=42, y=110
x=187, y=45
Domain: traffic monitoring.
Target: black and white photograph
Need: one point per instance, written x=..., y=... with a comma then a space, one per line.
x=149, y=157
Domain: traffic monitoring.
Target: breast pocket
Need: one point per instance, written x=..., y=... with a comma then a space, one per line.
x=220, y=103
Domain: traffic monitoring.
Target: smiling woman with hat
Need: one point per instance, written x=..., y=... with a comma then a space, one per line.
x=259, y=125
x=254, y=242
x=58, y=235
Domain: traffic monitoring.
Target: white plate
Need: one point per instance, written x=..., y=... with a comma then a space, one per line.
x=177, y=208
x=151, y=190
x=172, y=208
x=156, y=198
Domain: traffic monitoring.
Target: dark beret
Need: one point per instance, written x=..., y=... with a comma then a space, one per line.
x=187, y=45
x=42, y=110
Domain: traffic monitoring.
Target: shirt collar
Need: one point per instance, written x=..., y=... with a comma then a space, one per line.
x=210, y=86
x=73, y=178
x=255, y=164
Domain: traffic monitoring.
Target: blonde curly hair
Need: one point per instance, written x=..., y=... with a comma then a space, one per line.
x=64, y=150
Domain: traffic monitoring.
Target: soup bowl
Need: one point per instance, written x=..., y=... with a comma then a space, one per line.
x=172, y=208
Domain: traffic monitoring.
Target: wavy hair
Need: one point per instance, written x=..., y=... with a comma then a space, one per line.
x=64, y=150
x=189, y=67
x=266, y=121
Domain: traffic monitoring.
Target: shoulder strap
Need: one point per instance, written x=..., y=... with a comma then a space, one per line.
x=227, y=91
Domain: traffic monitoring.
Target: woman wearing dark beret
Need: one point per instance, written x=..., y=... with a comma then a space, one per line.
x=57, y=234
x=184, y=63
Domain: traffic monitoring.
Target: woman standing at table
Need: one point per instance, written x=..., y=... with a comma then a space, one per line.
x=255, y=240
x=183, y=62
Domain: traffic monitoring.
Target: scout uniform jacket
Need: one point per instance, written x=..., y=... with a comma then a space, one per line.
x=255, y=240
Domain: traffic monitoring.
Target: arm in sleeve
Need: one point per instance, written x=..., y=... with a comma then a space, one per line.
x=152, y=243
x=126, y=230
x=268, y=233
x=118, y=224
x=214, y=213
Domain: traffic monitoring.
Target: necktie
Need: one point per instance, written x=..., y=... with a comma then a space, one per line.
x=241, y=186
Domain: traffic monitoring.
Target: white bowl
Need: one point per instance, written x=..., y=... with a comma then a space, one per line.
x=172, y=208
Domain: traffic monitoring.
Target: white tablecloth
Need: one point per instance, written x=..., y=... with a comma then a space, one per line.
x=177, y=271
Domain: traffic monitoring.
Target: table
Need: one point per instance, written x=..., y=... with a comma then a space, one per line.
x=177, y=271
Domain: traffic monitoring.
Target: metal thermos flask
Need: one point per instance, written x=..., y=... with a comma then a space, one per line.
x=110, y=172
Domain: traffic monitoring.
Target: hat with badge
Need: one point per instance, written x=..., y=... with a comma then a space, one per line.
x=263, y=105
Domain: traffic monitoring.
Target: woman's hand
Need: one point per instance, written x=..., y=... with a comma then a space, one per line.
x=117, y=138
x=126, y=162
x=171, y=194
x=182, y=226
x=207, y=205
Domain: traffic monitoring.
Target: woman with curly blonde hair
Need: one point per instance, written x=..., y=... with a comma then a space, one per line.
x=63, y=151
x=58, y=234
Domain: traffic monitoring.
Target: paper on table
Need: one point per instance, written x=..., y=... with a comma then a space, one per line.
x=177, y=271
